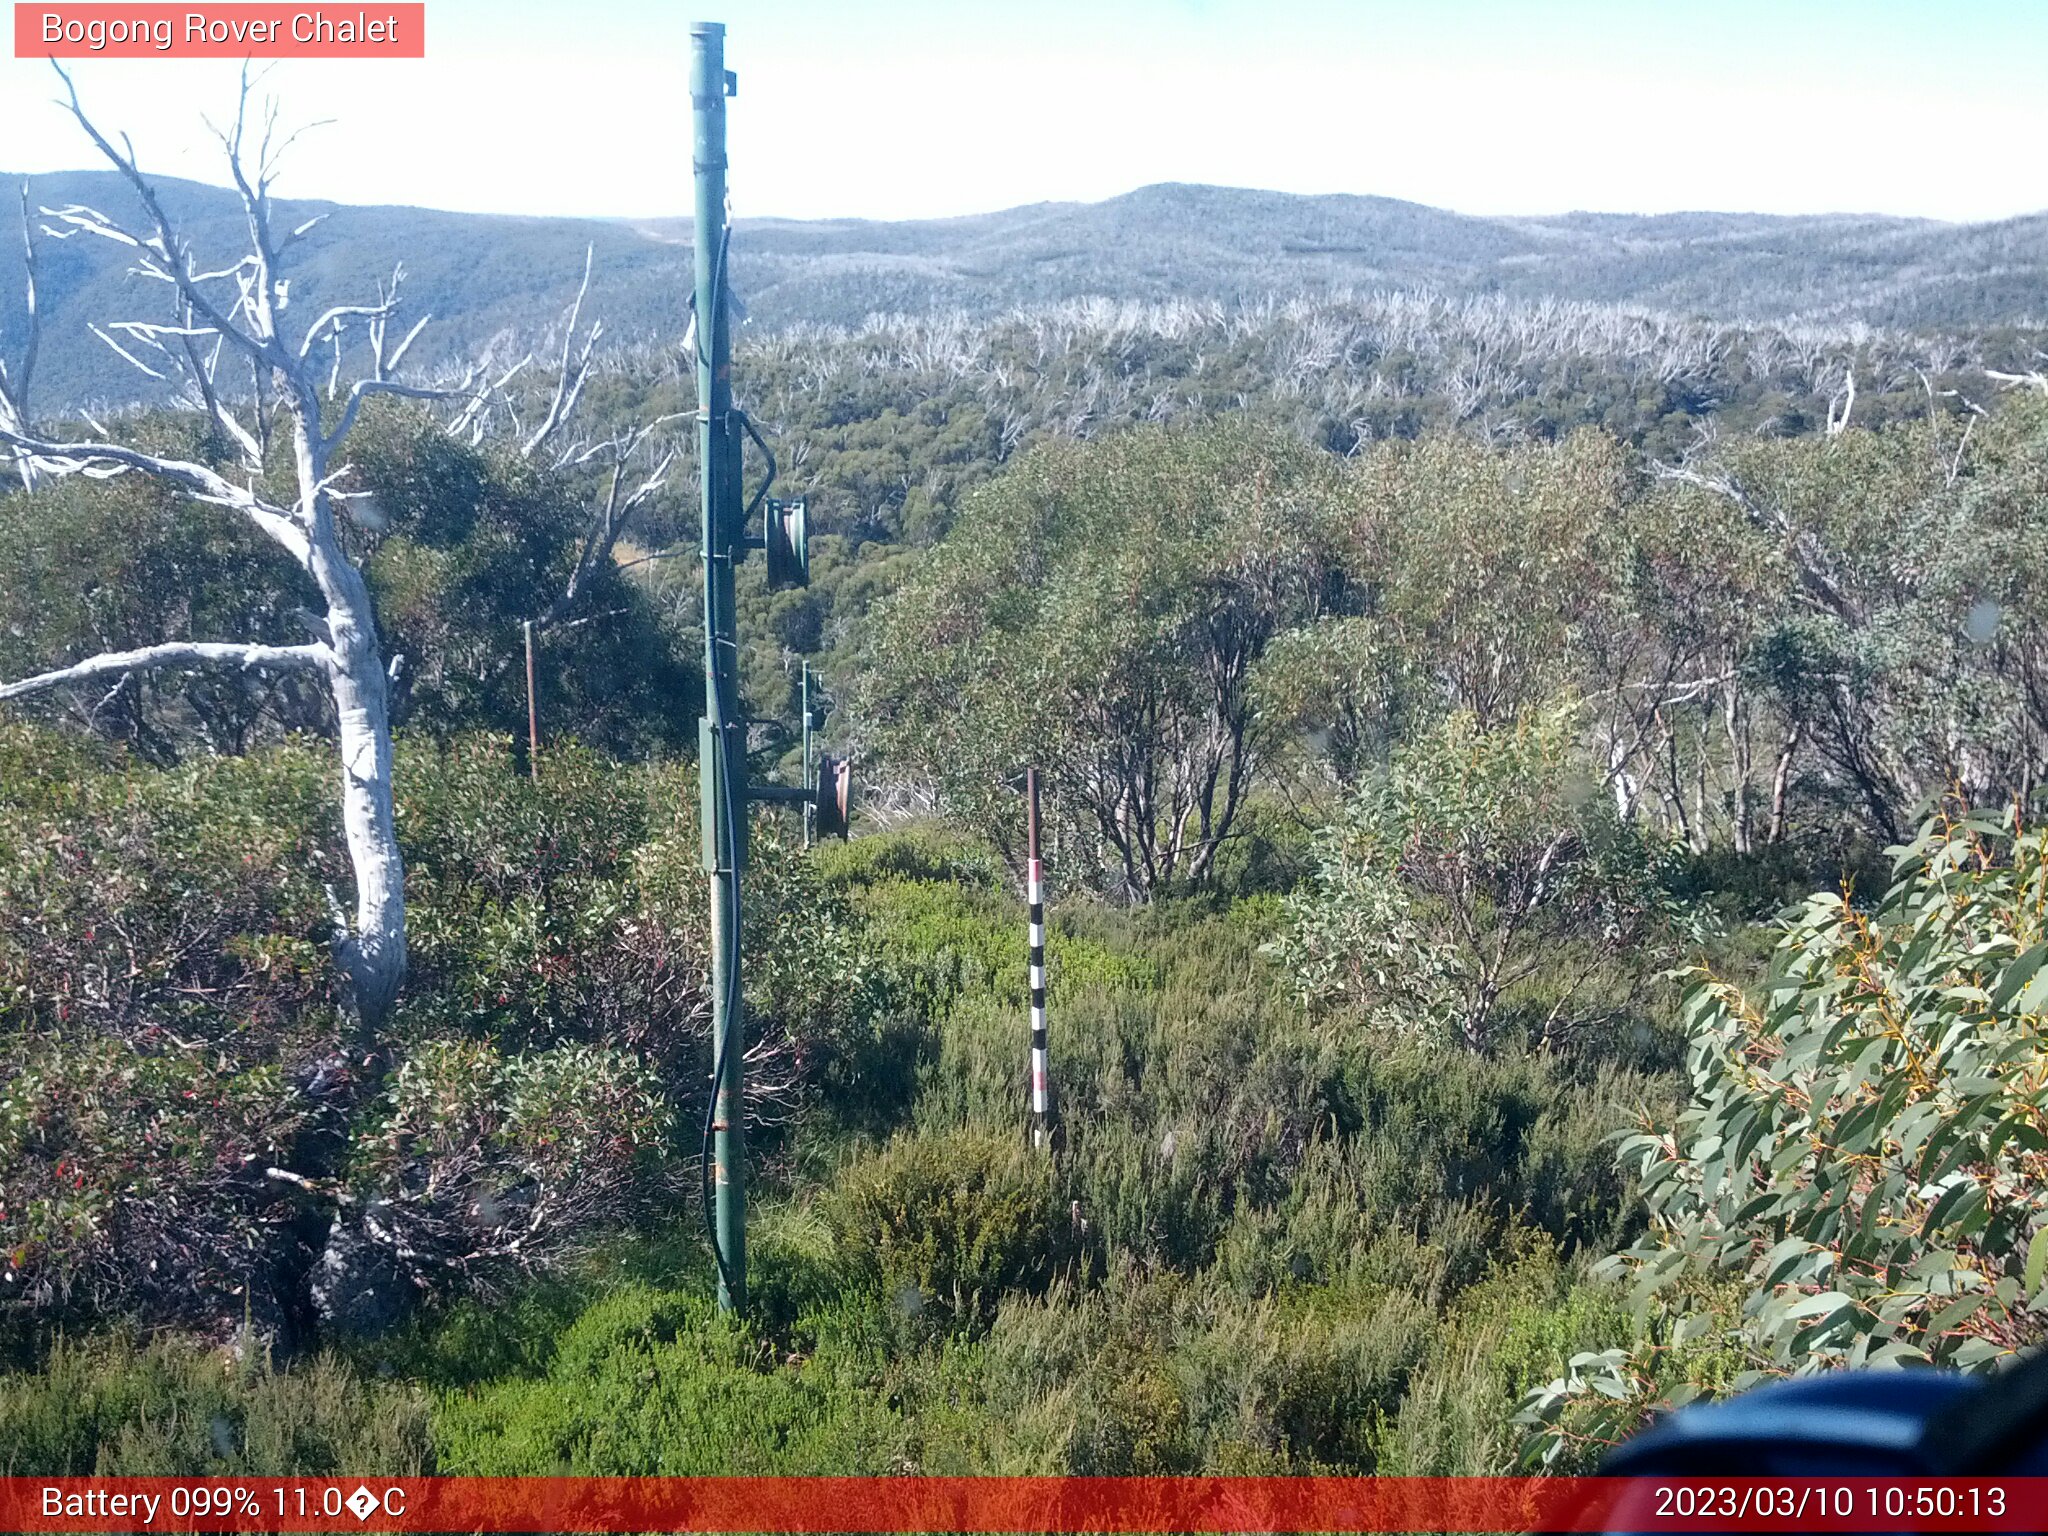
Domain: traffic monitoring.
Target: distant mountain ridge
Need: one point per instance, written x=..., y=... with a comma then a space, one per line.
x=488, y=276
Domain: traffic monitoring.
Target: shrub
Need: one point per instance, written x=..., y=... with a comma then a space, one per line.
x=1098, y=611
x=1163, y=1374
x=942, y=1226
x=169, y=1006
x=138, y=1179
x=1492, y=1346
x=1480, y=867
x=480, y=1165
x=164, y=991
x=650, y=1383
x=105, y=1407
x=1862, y=1161
x=186, y=902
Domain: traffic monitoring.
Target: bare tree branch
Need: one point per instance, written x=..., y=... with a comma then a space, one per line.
x=362, y=389
x=1808, y=558
x=2033, y=379
x=177, y=653
x=570, y=377
x=102, y=460
x=165, y=255
x=602, y=534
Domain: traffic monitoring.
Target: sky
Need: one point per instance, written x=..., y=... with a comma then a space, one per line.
x=895, y=109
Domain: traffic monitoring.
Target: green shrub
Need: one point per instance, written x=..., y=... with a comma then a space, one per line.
x=478, y=1164
x=1162, y=1374
x=186, y=902
x=1862, y=1160
x=135, y=1178
x=1493, y=1345
x=931, y=853
x=941, y=1226
x=1483, y=872
x=651, y=1383
x=164, y=980
x=169, y=1005
x=105, y=1407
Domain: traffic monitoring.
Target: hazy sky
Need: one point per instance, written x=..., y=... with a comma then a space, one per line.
x=907, y=108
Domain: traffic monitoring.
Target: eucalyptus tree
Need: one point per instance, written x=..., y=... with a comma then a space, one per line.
x=1901, y=644
x=1857, y=1178
x=1479, y=874
x=1099, y=611
x=1492, y=563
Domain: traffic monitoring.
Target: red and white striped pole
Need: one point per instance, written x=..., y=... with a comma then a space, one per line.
x=1041, y=1118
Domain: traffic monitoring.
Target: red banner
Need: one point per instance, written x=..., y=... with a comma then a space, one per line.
x=238, y=31
x=1006, y=1504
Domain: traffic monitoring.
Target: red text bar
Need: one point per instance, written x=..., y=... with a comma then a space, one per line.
x=239, y=31
x=1006, y=1504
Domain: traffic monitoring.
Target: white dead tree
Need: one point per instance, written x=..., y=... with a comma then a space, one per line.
x=237, y=311
x=14, y=385
x=631, y=464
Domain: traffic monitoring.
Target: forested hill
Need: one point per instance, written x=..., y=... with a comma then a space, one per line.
x=1177, y=241
x=481, y=276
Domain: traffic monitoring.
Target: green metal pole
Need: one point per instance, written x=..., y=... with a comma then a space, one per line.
x=721, y=770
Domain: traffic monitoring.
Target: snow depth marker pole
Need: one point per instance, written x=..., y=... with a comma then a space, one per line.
x=1035, y=896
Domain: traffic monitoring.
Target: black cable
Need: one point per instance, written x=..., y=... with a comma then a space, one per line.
x=717, y=292
x=732, y=1005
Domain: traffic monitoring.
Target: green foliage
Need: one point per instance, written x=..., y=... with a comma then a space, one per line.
x=466, y=545
x=116, y=1161
x=651, y=1383
x=1339, y=682
x=1480, y=869
x=942, y=1226
x=1151, y=1376
x=479, y=1163
x=1098, y=612
x=111, y=1408
x=1488, y=566
x=1862, y=1150
x=162, y=976
x=1501, y=1340
x=473, y=543
x=95, y=565
x=168, y=1001
x=180, y=900
x=1279, y=1232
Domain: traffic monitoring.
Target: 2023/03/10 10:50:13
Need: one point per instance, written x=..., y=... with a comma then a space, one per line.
x=1826, y=1499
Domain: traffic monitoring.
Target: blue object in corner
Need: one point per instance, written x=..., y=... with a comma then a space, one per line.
x=1844, y=1424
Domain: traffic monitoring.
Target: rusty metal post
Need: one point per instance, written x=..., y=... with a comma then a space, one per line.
x=810, y=782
